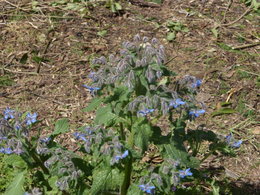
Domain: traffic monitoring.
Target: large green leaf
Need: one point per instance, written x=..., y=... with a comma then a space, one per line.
x=177, y=153
x=93, y=105
x=100, y=180
x=61, y=126
x=15, y=161
x=222, y=111
x=104, y=116
x=120, y=93
x=142, y=134
x=16, y=187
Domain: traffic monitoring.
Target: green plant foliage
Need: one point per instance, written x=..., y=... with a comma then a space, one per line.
x=174, y=28
x=6, y=80
x=132, y=98
x=61, y=126
x=16, y=187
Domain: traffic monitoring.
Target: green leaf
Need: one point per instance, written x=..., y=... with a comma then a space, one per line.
x=134, y=189
x=38, y=59
x=120, y=93
x=61, y=126
x=164, y=81
x=215, y=32
x=99, y=181
x=178, y=153
x=118, y=6
x=223, y=111
x=102, y=33
x=24, y=58
x=15, y=161
x=16, y=187
x=104, y=116
x=143, y=133
x=93, y=105
x=171, y=36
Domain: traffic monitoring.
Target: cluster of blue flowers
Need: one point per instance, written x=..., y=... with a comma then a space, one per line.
x=145, y=112
x=107, y=141
x=119, y=157
x=176, y=103
x=150, y=189
x=232, y=142
x=12, y=127
x=196, y=113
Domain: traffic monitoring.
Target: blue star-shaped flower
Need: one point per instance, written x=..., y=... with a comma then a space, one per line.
x=81, y=136
x=145, y=112
x=122, y=156
x=196, y=113
x=8, y=113
x=196, y=84
x=31, y=118
x=176, y=103
x=6, y=150
x=237, y=144
x=147, y=189
x=184, y=173
x=91, y=89
x=93, y=76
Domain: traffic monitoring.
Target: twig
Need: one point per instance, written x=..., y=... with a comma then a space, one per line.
x=35, y=73
x=143, y=3
x=16, y=6
x=246, y=46
x=43, y=97
x=249, y=72
x=239, y=18
x=170, y=60
x=228, y=7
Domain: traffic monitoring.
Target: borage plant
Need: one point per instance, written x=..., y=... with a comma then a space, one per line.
x=135, y=104
x=138, y=142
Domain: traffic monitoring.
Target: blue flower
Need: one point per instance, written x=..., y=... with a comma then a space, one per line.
x=119, y=157
x=92, y=75
x=196, y=84
x=8, y=113
x=237, y=144
x=81, y=136
x=6, y=150
x=147, y=189
x=92, y=89
x=230, y=140
x=3, y=138
x=31, y=118
x=88, y=130
x=184, y=173
x=176, y=103
x=45, y=140
x=196, y=113
x=145, y=112
x=18, y=127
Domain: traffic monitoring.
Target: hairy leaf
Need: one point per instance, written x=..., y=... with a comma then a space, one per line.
x=104, y=116
x=16, y=187
x=93, y=105
x=61, y=126
x=177, y=153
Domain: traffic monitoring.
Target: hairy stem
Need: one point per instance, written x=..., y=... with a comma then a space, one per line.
x=127, y=177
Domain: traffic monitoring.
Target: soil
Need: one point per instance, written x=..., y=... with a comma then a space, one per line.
x=46, y=52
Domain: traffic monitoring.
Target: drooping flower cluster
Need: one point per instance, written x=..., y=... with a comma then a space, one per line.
x=42, y=146
x=232, y=142
x=137, y=54
x=106, y=142
x=60, y=164
x=13, y=127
